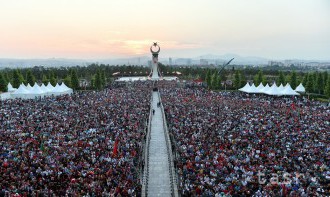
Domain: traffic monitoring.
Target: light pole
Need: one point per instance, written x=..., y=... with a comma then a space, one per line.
x=222, y=68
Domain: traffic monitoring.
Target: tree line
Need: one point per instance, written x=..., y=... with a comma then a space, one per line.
x=97, y=76
x=314, y=82
x=94, y=76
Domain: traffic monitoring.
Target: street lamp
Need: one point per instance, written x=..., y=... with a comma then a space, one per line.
x=222, y=68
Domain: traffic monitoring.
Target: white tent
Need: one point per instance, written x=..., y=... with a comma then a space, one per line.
x=281, y=88
x=300, y=88
x=245, y=88
x=66, y=89
x=253, y=89
x=10, y=88
x=50, y=86
x=36, y=91
x=44, y=88
x=21, y=92
x=260, y=88
x=60, y=90
x=57, y=90
x=288, y=91
x=5, y=95
x=29, y=87
x=249, y=89
x=263, y=90
x=273, y=90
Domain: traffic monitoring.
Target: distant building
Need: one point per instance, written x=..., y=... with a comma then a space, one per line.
x=170, y=61
x=188, y=61
x=275, y=63
x=203, y=62
x=84, y=83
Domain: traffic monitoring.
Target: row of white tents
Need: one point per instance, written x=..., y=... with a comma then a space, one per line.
x=31, y=92
x=273, y=90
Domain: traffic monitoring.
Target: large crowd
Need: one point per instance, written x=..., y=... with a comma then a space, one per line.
x=232, y=144
x=225, y=143
x=84, y=144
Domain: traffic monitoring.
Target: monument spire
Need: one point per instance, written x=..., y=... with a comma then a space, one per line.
x=154, y=64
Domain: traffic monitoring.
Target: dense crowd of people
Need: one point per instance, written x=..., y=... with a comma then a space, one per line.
x=225, y=143
x=84, y=144
x=232, y=144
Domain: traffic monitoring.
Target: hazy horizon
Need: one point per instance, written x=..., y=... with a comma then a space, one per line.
x=105, y=29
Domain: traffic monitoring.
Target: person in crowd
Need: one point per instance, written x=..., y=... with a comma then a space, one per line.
x=233, y=144
x=84, y=144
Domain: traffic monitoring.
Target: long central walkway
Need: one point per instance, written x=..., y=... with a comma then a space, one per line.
x=159, y=183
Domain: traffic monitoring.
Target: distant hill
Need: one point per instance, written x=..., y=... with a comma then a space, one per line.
x=238, y=59
x=142, y=60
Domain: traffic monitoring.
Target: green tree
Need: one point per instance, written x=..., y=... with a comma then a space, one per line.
x=103, y=79
x=325, y=77
x=17, y=78
x=93, y=81
x=327, y=88
x=74, y=80
x=30, y=77
x=98, y=81
x=3, y=83
x=44, y=79
x=218, y=82
x=208, y=78
x=259, y=78
x=304, y=81
x=293, y=80
x=237, y=79
x=52, y=79
x=67, y=81
x=310, y=83
x=281, y=78
x=314, y=77
x=243, y=80
x=319, y=86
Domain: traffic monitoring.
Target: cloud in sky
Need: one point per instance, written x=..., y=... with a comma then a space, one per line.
x=111, y=28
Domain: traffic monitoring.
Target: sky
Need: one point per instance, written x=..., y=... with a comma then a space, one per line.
x=91, y=29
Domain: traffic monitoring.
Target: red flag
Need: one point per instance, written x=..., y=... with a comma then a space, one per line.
x=115, y=148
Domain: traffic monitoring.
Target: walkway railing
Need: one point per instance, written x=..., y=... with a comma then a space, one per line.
x=146, y=155
x=173, y=177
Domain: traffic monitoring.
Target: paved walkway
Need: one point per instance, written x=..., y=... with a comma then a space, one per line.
x=159, y=177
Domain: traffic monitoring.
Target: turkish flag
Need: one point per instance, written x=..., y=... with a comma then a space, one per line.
x=115, y=148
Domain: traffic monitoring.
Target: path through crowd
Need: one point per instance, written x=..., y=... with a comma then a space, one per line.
x=159, y=180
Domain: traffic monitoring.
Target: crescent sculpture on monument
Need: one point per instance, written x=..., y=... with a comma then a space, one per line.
x=154, y=45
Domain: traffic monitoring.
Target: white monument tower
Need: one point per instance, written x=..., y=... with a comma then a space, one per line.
x=154, y=65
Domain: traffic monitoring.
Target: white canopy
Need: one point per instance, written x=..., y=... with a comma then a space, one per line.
x=50, y=86
x=66, y=88
x=44, y=88
x=281, y=87
x=253, y=89
x=288, y=91
x=21, y=92
x=29, y=87
x=263, y=90
x=58, y=90
x=10, y=88
x=249, y=89
x=245, y=88
x=273, y=90
x=36, y=90
x=300, y=88
x=260, y=87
